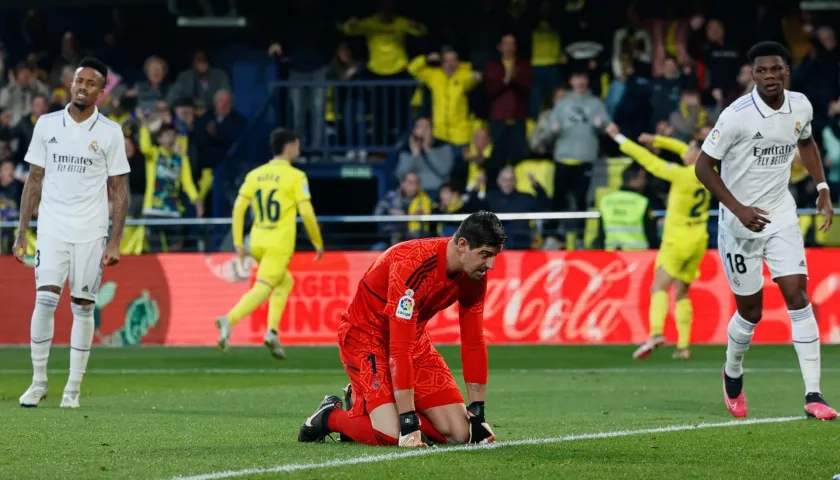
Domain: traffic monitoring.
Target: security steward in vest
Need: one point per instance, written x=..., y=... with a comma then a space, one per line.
x=627, y=221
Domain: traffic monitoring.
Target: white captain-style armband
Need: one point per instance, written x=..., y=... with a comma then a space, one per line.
x=822, y=186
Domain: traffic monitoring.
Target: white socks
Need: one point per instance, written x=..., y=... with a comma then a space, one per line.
x=81, y=341
x=740, y=335
x=806, y=341
x=41, y=332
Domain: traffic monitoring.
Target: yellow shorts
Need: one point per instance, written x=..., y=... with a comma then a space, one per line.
x=274, y=263
x=682, y=260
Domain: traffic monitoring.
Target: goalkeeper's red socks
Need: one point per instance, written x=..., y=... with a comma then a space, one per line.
x=361, y=430
x=358, y=428
x=427, y=429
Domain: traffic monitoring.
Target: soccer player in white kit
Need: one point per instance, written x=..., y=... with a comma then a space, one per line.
x=754, y=142
x=76, y=156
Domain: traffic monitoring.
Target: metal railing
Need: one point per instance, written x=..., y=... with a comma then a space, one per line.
x=341, y=116
x=388, y=218
x=370, y=232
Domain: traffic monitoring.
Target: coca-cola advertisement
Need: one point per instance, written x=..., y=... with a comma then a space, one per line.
x=533, y=297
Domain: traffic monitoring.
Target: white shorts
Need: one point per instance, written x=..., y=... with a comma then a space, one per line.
x=783, y=251
x=55, y=261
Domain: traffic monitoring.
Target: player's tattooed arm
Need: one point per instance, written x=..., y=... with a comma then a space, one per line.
x=119, y=197
x=31, y=197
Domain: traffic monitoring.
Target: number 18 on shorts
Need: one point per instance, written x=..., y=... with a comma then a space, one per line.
x=56, y=261
x=783, y=251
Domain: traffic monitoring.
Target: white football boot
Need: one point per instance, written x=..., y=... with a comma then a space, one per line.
x=34, y=394
x=70, y=400
x=649, y=346
x=273, y=344
x=223, y=324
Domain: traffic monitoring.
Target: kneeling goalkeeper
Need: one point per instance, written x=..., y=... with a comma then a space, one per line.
x=401, y=390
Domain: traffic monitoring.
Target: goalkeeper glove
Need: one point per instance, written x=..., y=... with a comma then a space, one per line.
x=480, y=431
x=410, y=436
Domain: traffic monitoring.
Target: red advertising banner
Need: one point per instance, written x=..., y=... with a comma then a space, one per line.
x=533, y=297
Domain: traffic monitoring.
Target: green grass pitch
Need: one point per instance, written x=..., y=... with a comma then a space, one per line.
x=559, y=412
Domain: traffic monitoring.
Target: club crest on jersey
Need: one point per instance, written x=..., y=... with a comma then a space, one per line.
x=797, y=129
x=94, y=146
x=405, y=307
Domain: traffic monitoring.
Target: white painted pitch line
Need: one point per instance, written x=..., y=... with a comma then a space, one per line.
x=336, y=371
x=401, y=454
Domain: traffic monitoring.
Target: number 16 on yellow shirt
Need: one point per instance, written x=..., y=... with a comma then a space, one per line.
x=276, y=192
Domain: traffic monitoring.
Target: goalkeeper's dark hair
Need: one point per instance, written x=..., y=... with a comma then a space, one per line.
x=768, y=49
x=280, y=138
x=482, y=229
x=95, y=64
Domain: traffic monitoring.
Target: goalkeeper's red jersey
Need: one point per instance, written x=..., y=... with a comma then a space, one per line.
x=404, y=288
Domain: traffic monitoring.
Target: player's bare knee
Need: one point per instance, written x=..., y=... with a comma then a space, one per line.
x=82, y=302
x=750, y=308
x=794, y=291
x=661, y=281
x=50, y=288
x=795, y=299
x=680, y=290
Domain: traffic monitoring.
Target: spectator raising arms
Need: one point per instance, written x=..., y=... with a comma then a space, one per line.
x=449, y=84
x=168, y=172
x=385, y=34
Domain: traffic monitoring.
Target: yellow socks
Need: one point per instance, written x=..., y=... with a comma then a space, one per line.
x=658, y=312
x=277, y=303
x=684, y=314
x=249, y=302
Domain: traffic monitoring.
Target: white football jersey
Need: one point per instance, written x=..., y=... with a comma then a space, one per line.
x=77, y=159
x=755, y=145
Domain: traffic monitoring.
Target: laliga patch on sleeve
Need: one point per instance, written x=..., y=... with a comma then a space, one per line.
x=714, y=136
x=305, y=188
x=405, y=307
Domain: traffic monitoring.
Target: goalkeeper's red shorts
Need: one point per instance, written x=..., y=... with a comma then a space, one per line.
x=367, y=365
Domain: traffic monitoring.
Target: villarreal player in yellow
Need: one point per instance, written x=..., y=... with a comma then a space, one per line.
x=684, y=240
x=276, y=192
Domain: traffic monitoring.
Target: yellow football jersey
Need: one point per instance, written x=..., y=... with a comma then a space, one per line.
x=687, y=212
x=274, y=191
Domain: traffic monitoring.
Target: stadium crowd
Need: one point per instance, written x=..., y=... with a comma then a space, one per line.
x=509, y=114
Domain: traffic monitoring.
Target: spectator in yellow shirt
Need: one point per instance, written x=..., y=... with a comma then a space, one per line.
x=168, y=173
x=449, y=83
x=546, y=56
x=385, y=33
